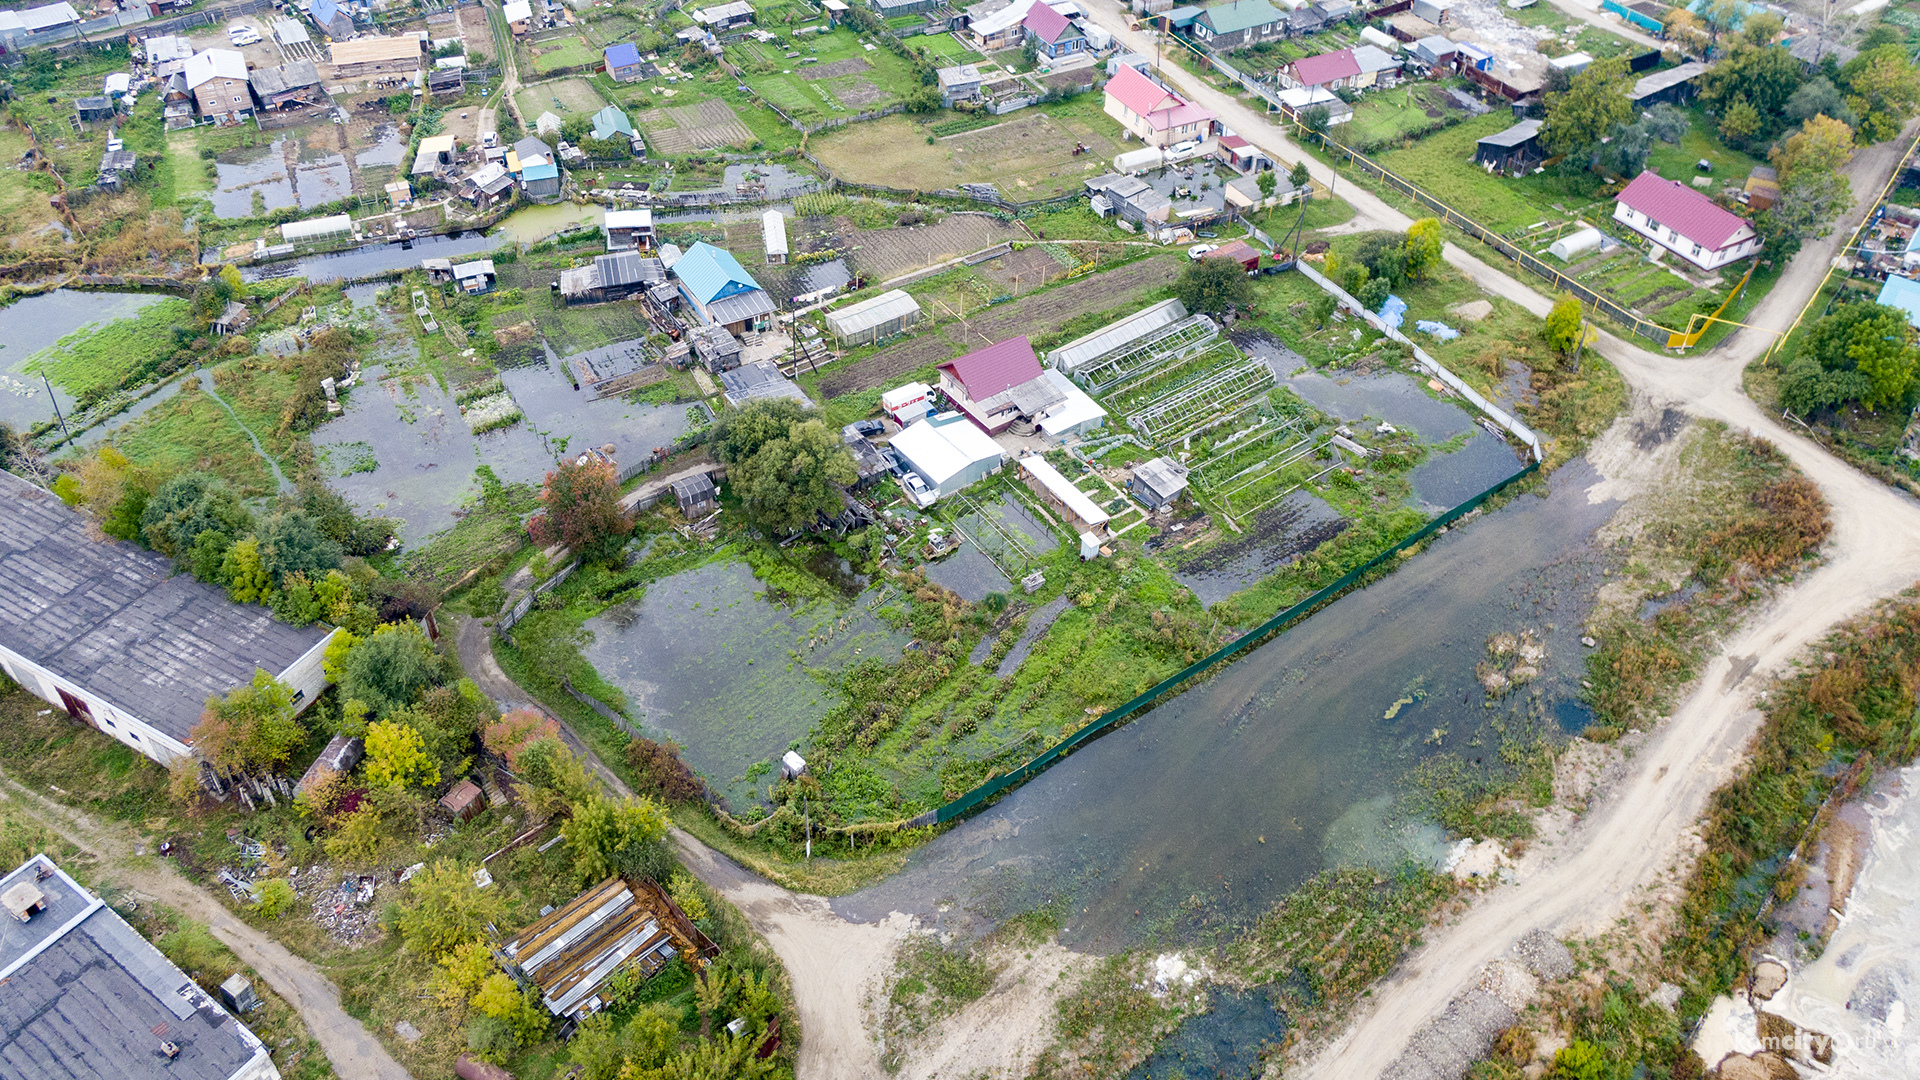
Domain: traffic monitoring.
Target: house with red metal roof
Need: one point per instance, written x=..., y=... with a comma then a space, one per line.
x=1152, y=113
x=1328, y=70
x=1685, y=222
x=999, y=385
x=1053, y=33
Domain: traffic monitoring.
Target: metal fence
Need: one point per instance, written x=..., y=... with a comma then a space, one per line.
x=973, y=799
x=1646, y=328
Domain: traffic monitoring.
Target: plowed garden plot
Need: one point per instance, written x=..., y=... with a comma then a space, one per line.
x=853, y=65
x=1045, y=312
x=707, y=126
x=1020, y=272
x=887, y=365
x=883, y=254
x=858, y=93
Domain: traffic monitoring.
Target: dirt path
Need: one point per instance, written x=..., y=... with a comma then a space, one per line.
x=354, y=1052
x=1625, y=843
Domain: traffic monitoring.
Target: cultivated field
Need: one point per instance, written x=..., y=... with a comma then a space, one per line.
x=1028, y=157
x=886, y=253
x=709, y=125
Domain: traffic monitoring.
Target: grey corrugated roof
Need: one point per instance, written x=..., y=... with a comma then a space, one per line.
x=1661, y=80
x=744, y=305
x=627, y=268
x=1515, y=135
x=1116, y=334
x=96, y=999
x=872, y=312
x=760, y=379
x=116, y=620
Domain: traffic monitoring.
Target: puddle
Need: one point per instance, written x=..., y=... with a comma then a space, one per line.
x=705, y=657
x=1280, y=534
x=1390, y=396
x=1037, y=624
x=1447, y=480
x=370, y=259
x=323, y=181
x=1243, y=787
x=1655, y=605
x=969, y=573
x=241, y=173
x=36, y=322
x=568, y=418
x=536, y=223
x=1225, y=1041
x=388, y=148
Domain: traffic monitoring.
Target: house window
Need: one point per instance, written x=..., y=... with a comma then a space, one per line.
x=1696, y=249
x=1653, y=225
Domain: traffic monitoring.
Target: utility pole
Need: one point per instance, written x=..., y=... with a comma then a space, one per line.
x=56, y=407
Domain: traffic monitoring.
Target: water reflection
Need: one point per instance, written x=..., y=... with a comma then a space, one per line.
x=706, y=658
x=36, y=322
x=1235, y=792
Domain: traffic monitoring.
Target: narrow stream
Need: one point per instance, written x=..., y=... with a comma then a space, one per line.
x=206, y=383
x=1291, y=760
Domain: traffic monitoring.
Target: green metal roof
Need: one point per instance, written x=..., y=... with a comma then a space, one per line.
x=1239, y=15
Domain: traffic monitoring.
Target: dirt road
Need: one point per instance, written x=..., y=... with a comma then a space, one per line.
x=354, y=1052
x=1626, y=842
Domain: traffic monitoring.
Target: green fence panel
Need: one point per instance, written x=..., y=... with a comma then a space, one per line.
x=988, y=789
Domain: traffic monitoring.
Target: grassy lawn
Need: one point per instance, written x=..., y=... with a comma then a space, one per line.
x=947, y=47
x=575, y=52
x=799, y=88
x=1029, y=155
x=1730, y=166
x=95, y=359
x=191, y=431
x=1442, y=164
x=1386, y=115
x=562, y=97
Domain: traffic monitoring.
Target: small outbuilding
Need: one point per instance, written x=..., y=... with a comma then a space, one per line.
x=1515, y=148
x=464, y=801
x=945, y=454
x=1573, y=245
x=716, y=347
x=908, y=403
x=874, y=318
x=1082, y=514
x=628, y=230
x=1158, y=482
x=695, y=496
x=773, y=233
x=760, y=379
x=623, y=62
x=475, y=277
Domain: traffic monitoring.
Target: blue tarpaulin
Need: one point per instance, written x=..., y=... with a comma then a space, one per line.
x=1437, y=329
x=1394, y=311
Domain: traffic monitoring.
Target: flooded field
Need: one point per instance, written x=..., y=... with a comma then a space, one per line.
x=1301, y=522
x=706, y=658
x=1446, y=480
x=370, y=259
x=34, y=323
x=1290, y=760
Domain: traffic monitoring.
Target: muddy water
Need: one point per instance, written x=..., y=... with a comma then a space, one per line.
x=706, y=658
x=1211, y=807
x=370, y=259
x=1226, y=1040
x=1447, y=480
x=243, y=172
x=34, y=323
x=1282, y=533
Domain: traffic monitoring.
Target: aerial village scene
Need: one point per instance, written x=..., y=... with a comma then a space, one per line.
x=772, y=539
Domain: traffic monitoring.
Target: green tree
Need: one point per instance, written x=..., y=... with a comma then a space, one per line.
x=290, y=543
x=1423, y=248
x=1884, y=90
x=602, y=828
x=1628, y=152
x=397, y=757
x=209, y=554
x=791, y=482
x=1593, y=105
x=1667, y=123
x=390, y=668
x=1873, y=340
x=187, y=505
x=1322, y=307
x=1213, y=286
x=1742, y=123
x=1807, y=388
x=251, y=730
x=741, y=434
x=582, y=508
x=445, y=910
x=247, y=579
x=710, y=996
x=1563, y=324
x=1818, y=97
x=276, y=896
x=1316, y=120
x=11, y=448
x=1300, y=175
x=1822, y=144
x=1763, y=78
x=500, y=998
x=1268, y=181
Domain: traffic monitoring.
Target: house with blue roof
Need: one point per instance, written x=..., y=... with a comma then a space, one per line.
x=720, y=289
x=1903, y=293
x=540, y=179
x=623, y=62
x=332, y=19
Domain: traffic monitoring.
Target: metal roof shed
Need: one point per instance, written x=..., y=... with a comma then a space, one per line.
x=874, y=318
x=948, y=452
x=773, y=232
x=1059, y=493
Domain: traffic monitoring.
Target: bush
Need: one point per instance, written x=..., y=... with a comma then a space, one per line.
x=276, y=896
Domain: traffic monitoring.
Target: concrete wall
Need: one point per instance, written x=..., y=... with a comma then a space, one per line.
x=111, y=719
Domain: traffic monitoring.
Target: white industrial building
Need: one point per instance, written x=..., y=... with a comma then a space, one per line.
x=112, y=634
x=945, y=454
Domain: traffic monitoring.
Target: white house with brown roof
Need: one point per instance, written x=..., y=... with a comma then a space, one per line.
x=1685, y=222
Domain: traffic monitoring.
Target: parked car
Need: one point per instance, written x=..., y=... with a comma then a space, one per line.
x=870, y=428
x=1200, y=251
x=241, y=34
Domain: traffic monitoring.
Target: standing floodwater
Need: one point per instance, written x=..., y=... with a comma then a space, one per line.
x=1217, y=803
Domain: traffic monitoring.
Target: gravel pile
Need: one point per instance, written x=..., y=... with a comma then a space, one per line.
x=1449, y=1045
x=1544, y=955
